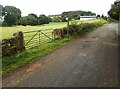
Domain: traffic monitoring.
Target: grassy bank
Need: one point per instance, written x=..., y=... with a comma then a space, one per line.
x=18, y=60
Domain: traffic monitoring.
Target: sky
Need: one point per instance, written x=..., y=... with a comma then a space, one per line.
x=52, y=7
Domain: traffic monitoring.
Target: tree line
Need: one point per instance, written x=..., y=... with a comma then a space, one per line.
x=75, y=14
x=114, y=12
x=71, y=15
x=12, y=16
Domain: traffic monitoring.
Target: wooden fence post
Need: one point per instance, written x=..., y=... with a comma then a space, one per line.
x=39, y=37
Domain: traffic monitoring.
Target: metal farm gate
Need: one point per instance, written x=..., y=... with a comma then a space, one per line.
x=37, y=37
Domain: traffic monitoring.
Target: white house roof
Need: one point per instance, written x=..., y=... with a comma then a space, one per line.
x=87, y=16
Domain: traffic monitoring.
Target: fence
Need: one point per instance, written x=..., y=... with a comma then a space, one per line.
x=26, y=40
x=37, y=38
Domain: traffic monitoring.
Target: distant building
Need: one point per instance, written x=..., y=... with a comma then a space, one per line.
x=87, y=17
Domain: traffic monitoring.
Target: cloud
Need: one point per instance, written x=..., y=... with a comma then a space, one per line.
x=51, y=7
x=117, y=0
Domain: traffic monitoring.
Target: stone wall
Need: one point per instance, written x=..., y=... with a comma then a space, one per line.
x=13, y=45
x=59, y=33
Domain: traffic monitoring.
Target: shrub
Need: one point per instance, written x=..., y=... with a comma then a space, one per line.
x=75, y=29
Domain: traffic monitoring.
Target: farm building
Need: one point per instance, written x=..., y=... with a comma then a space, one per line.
x=87, y=17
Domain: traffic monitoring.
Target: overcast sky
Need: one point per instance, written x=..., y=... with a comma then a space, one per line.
x=51, y=7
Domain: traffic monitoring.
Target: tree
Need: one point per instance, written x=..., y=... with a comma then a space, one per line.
x=75, y=14
x=56, y=19
x=32, y=19
x=12, y=14
x=23, y=21
x=43, y=20
x=114, y=12
x=34, y=15
x=2, y=12
x=76, y=17
x=28, y=20
x=102, y=16
x=10, y=19
x=98, y=16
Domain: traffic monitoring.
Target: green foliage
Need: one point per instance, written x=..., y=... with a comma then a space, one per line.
x=75, y=29
x=115, y=11
x=33, y=15
x=23, y=21
x=12, y=14
x=43, y=20
x=31, y=20
x=2, y=12
x=74, y=22
x=10, y=19
x=56, y=19
x=28, y=20
x=98, y=16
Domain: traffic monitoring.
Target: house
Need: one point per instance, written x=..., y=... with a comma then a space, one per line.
x=87, y=17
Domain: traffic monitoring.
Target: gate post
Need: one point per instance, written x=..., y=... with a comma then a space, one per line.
x=20, y=41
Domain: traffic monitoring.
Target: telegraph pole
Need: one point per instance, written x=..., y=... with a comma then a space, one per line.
x=67, y=19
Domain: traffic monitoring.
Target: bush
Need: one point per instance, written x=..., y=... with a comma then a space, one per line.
x=73, y=29
x=43, y=20
x=77, y=29
x=28, y=20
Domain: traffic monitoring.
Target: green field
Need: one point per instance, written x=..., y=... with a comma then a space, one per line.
x=8, y=31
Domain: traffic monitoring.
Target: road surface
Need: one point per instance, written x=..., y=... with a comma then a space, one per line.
x=89, y=61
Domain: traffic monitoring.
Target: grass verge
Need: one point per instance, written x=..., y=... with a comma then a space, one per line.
x=18, y=60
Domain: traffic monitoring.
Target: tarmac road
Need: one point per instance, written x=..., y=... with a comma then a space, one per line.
x=89, y=61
